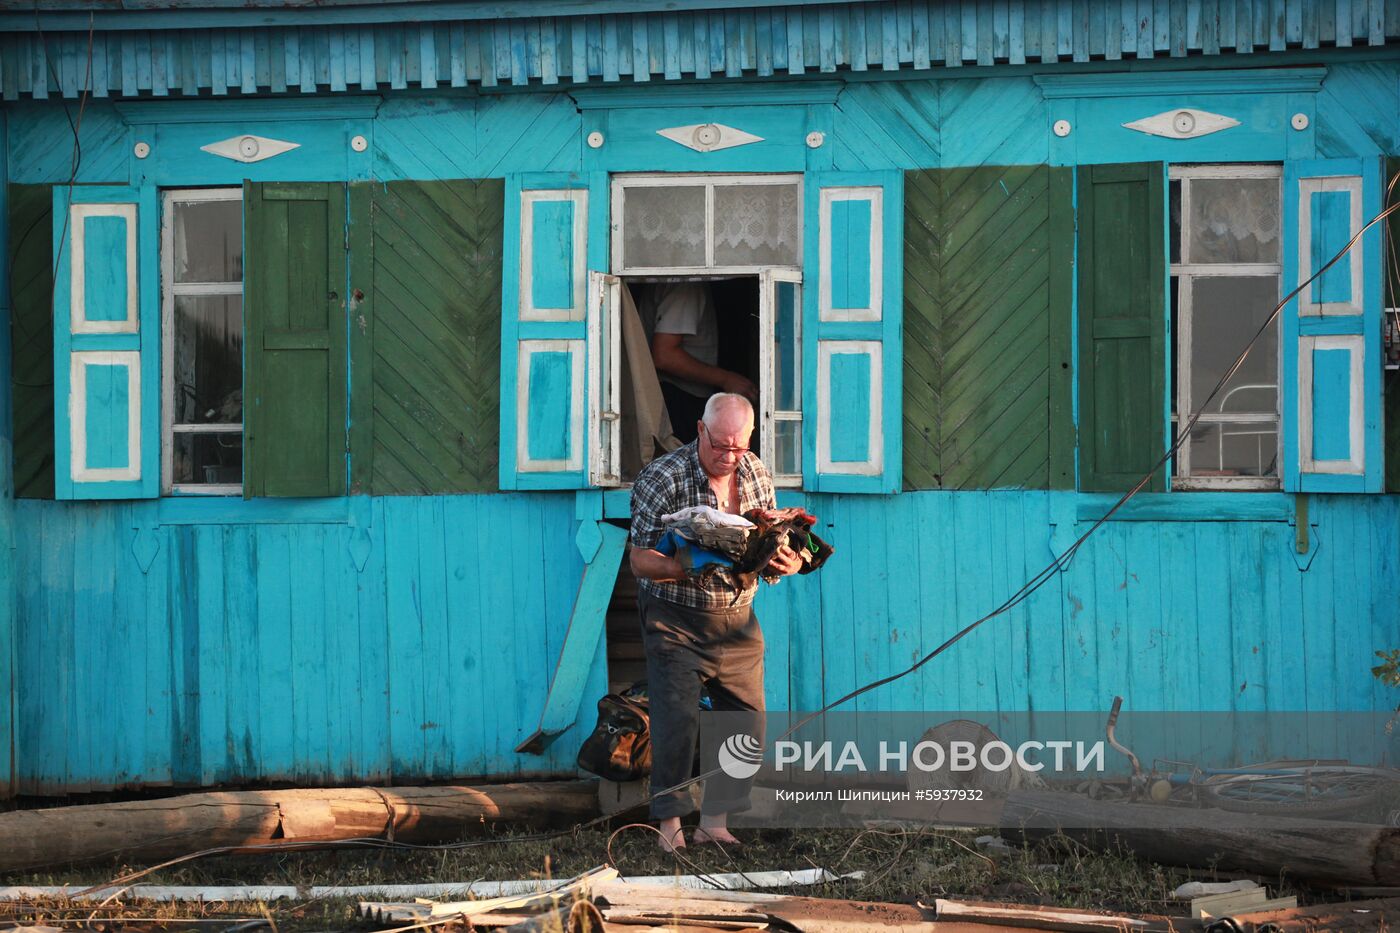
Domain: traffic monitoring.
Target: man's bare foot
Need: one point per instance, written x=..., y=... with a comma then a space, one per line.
x=713, y=829
x=715, y=836
x=672, y=836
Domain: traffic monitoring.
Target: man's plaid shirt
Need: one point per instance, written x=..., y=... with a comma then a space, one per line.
x=676, y=481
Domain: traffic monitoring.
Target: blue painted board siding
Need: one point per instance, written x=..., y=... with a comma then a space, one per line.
x=240, y=51
x=901, y=124
x=108, y=416
x=850, y=263
x=1331, y=228
x=1331, y=399
x=850, y=397
x=552, y=254
x=379, y=646
x=104, y=268
x=268, y=651
x=551, y=402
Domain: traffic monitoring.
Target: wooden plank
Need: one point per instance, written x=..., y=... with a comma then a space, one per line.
x=274, y=737
x=1062, y=452
x=206, y=650
x=361, y=267
x=565, y=699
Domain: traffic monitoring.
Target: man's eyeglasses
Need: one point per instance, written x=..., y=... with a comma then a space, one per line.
x=736, y=451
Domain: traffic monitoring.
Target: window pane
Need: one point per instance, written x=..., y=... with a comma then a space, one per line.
x=1234, y=449
x=206, y=459
x=208, y=351
x=787, y=447
x=1225, y=313
x=787, y=389
x=757, y=225
x=663, y=227
x=208, y=241
x=1233, y=220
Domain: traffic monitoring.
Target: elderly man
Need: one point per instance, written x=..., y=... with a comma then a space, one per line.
x=699, y=634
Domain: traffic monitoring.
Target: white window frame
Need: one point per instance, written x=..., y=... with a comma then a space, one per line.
x=169, y=288
x=768, y=412
x=1185, y=273
x=621, y=182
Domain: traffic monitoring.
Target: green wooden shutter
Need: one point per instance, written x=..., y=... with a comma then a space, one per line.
x=294, y=379
x=988, y=264
x=1122, y=325
x=426, y=337
x=31, y=287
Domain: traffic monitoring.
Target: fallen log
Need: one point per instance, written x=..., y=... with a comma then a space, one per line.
x=154, y=830
x=1314, y=850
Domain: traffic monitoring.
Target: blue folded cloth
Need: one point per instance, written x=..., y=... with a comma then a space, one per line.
x=692, y=556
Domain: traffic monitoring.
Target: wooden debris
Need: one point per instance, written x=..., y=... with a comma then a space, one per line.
x=1319, y=850
x=152, y=830
x=624, y=903
x=1195, y=889
x=1021, y=917
x=1380, y=916
x=422, y=910
x=733, y=881
x=1227, y=903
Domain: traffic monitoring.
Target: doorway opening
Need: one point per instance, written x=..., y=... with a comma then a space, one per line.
x=733, y=302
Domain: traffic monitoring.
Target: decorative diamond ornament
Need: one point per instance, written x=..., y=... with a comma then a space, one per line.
x=708, y=137
x=1183, y=124
x=249, y=148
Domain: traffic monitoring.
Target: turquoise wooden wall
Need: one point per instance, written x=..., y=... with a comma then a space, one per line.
x=412, y=637
x=369, y=639
x=194, y=643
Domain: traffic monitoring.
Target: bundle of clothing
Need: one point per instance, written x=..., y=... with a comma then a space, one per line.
x=710, y=543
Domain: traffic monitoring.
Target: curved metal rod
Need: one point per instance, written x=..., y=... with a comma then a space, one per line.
x=1112, y=739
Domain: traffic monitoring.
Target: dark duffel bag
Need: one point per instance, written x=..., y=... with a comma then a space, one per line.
x=620, y=747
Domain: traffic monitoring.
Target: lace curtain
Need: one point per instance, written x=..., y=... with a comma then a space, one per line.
x=757, y=225
x=754, y=225
x=1234, y=220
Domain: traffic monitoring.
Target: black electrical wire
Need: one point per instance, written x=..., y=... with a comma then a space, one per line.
x=75, y=162
x=1058, y=564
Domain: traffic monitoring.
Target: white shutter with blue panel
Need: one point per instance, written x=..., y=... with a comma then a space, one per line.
x=106, y=343
x=1331, y=331
x=545, y=332
x=851, y=332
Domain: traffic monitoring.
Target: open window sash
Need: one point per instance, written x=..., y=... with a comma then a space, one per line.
x=106, y=343
x=555, y=231
x=605, y=379
x=852, y=311
x=1331, y=332
x=780, y=374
